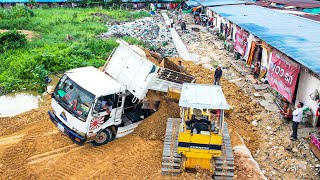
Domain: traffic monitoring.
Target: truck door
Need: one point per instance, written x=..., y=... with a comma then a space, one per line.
x=116, y=109
x=131, y=68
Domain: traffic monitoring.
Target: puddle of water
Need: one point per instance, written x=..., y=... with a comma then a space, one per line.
x=15, y=103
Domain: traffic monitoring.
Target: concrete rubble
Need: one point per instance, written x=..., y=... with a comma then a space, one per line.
x=151, y=30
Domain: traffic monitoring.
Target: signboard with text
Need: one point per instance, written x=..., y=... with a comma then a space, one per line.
x=240, y=43
x=283, y=74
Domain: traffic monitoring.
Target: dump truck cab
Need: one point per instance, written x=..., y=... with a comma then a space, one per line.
x=201, y=127
x=77, y=103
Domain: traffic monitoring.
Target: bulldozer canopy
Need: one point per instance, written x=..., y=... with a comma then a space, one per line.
x=202, y=96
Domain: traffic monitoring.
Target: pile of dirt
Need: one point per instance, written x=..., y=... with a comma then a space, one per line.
x=29, y=34
x=154, y=127
x=153, y=57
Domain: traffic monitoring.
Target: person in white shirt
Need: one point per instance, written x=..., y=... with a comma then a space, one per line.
x=297, y=118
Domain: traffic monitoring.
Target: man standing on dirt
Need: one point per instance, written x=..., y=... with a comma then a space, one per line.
x=181, y=67
x=183, y=26
x=297, y=118
x=217, y=75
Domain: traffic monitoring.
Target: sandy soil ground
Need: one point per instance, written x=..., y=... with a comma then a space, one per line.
x=31, y=147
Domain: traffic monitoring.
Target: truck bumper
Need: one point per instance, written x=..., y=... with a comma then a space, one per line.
x=76, y=138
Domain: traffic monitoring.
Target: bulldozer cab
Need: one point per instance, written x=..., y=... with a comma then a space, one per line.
x=201, y=121
x=202, y=104
x=201, y=126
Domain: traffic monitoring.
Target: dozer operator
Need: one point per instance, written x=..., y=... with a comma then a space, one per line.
x=198, y=125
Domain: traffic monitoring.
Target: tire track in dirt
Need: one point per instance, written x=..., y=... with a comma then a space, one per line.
x=15, y=157
x=67, y=161
x=53, y=154
x=11, y=139
x=142, y=157
x=114, y=160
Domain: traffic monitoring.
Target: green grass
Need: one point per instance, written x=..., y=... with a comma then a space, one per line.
x=49, y=51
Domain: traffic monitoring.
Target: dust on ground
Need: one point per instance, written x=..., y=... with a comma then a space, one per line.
x=29, y=34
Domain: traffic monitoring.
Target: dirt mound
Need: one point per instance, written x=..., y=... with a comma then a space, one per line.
x=153, y=57
x=154, y=127
x=29, y=34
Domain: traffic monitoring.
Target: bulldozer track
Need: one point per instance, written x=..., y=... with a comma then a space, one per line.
x=80, y=158
x=224, y=165
x=171, y=160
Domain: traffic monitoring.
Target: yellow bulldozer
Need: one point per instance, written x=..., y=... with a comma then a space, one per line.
x=200, y=138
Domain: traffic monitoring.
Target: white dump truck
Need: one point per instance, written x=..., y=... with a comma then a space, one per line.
x=81, y=95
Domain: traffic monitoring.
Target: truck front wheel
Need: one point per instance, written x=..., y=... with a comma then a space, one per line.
x=102, y=138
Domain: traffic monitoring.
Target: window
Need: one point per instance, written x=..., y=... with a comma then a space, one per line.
x=114, y=98
x=73, y=97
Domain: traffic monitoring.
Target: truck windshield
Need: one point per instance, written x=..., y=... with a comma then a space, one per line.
x=73, y=98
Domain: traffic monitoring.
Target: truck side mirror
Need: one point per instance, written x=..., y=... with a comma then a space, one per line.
x=47, y=80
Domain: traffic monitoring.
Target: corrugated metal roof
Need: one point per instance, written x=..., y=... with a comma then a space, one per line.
x=208, y=3
x=298, y=3
x=202, y=96
x=313, y=17
x=296, y=37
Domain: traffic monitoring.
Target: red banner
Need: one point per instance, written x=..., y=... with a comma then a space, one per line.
x=240, y=43
x=283, y=74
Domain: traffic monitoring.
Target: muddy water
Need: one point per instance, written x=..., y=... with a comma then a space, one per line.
x=15, y=103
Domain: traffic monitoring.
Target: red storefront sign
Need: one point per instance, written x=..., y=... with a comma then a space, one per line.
x=240, y=43
x=283, y=74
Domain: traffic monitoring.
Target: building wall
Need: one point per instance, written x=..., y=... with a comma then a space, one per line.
x=307, y=84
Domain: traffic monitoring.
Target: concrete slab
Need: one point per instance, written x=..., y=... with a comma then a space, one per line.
x=269, y=106
x=269, y=97
x=260, y=86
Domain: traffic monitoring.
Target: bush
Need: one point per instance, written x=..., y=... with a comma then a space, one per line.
x=49, y=52
x=45, y=6
x=12, y=40
x=16, y=12
x=21, y=11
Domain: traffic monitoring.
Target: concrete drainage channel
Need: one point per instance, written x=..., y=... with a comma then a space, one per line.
x=180, y=46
